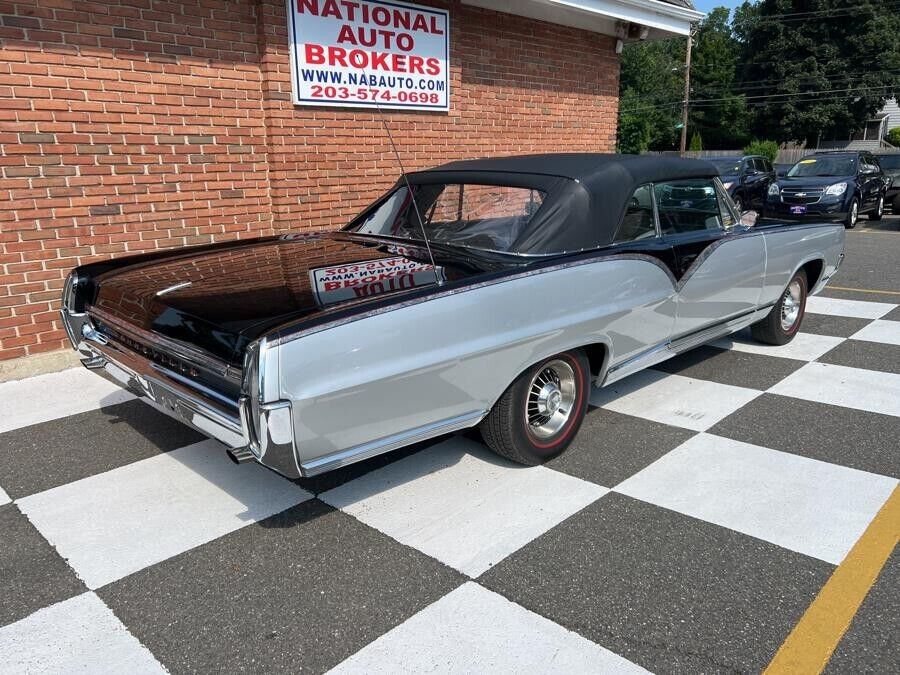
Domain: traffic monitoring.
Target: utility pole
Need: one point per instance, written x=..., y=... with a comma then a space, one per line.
x=687, y=91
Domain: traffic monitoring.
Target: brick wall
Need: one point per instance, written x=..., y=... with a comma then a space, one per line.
x=132, y=125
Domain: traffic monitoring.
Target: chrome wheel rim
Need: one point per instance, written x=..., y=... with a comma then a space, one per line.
x=738, y=204
x=880, y=211
x=551, y=397
x=854, y=213
x=790, y=306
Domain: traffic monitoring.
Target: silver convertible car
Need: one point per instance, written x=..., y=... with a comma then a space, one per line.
x=489, y=293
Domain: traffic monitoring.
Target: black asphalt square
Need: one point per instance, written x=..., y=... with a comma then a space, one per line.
x=872, y=643
x=671, y=593
x=611, y=447
x=866, y=355
x=854, y=438
x=49, y=454
x=32, y=574
x=740, y=369
x=306, y=589
x=835, y=326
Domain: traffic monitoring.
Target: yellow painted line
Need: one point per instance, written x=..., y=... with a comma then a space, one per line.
x=861, y=290
x=813, y=640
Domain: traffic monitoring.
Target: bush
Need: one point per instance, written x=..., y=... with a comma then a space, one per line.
x=696, y=143
x=768, y=149
x=893, y=137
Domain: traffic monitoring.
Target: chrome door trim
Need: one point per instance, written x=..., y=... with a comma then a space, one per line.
x=666, y=350
x=368, y=450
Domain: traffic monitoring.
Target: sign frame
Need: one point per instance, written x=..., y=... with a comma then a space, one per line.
x=294, y=57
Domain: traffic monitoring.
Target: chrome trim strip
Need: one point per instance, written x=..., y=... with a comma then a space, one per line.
x=179, y=349
x=666, y=350
x=383, y=445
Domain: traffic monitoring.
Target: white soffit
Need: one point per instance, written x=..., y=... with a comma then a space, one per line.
x=600, y=16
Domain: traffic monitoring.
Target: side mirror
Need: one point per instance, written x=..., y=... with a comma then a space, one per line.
x=749, y=218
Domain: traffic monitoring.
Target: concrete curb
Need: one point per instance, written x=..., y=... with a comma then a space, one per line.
x=39, y=364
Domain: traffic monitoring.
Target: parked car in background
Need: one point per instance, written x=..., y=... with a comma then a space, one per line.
x=489, y=293
x=830, y=185
x=747, y=179
x=781, y=169
x=890, y=164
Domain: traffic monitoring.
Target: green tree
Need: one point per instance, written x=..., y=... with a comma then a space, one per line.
x=696, y=142
x=817, y=69
x=719, y=114
x=650, y=94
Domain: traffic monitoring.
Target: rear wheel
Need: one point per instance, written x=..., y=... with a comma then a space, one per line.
x=738, y=203
x=537, y=417
x=879, y=209
x=783, y=322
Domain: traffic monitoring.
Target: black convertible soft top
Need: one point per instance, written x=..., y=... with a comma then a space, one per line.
x=586, y=193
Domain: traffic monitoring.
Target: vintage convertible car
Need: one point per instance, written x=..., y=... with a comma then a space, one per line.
x=545, y=274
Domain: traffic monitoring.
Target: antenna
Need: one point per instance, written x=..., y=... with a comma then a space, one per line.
x=412, y=196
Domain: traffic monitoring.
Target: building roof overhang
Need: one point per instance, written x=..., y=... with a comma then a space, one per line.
x=608, y=17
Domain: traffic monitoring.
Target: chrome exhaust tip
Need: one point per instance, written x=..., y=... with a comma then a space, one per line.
x=240, y=455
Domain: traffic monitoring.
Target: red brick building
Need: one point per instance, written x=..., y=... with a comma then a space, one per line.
x=132, y=125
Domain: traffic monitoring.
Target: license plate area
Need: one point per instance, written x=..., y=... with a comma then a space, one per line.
x=798, y=210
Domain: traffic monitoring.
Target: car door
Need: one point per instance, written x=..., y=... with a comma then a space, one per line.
x=753, y=177
x=719, y=264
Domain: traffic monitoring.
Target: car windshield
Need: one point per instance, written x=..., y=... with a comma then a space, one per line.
x=486, y=217
x=727, y=166
x=889, y=162
x=824, y=166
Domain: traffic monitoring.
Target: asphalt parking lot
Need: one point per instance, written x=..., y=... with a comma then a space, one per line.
x=709, y=510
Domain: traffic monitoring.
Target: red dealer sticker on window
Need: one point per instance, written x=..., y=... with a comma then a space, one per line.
x=363, y=53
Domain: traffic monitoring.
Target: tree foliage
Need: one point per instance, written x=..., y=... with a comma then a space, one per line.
x=788, y=70
x=831, y=68
x=765, y=148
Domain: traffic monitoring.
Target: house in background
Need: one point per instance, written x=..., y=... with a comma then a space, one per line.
x=872, y=135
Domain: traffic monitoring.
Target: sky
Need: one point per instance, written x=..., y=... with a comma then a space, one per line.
x=707, y=5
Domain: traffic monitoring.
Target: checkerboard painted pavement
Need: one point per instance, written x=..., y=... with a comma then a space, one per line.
x=701, y=508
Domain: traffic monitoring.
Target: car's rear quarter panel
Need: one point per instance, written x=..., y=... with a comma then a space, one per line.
x=790, y=246
x=456, y=353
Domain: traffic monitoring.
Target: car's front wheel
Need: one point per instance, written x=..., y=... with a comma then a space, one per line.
x=783, y=322
x=537, y=417
x=878, y=213
x=852, y=214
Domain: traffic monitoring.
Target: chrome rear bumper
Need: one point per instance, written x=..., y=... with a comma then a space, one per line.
x=264, y=430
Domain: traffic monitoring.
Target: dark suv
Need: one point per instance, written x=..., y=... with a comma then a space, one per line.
x=890, y=164
x=830, y=186
x=747, y=179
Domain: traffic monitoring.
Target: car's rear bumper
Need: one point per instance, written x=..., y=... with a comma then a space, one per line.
x=261, y=432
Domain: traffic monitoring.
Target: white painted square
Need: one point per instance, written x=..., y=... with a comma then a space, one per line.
x=48, y=397
x=79, y=635
x=848, y=387
x=116, y=523
x=461, y=504
x=673, y=399
x=801, y=504
x=804, y=346
x=4, y=498
x=473, y=630
x=887, y=332
x=858, y=309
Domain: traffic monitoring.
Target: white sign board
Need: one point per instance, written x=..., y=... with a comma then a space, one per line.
x=368, y=53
